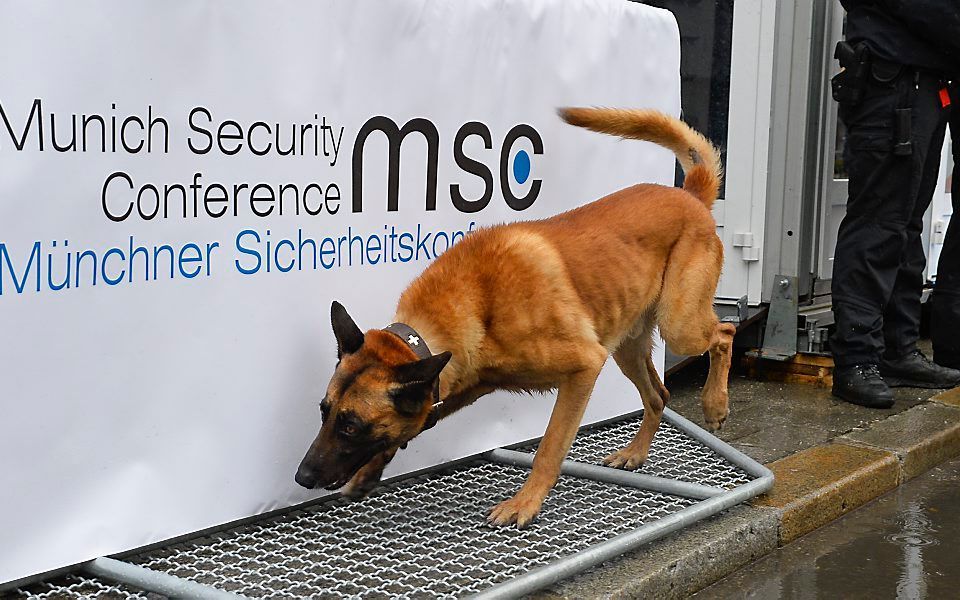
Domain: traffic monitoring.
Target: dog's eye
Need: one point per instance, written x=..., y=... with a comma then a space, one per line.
x=349, y=430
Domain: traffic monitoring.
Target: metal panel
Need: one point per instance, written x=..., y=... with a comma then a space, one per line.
x=748, y=141
x=832, y=179
x=795, y=139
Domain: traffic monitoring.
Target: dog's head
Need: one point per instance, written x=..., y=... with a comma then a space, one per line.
x=379, y=398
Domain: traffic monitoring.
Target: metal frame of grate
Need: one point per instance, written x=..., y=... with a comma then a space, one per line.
x=424, y=535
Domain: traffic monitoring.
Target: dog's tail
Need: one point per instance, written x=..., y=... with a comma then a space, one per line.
x=697, y=156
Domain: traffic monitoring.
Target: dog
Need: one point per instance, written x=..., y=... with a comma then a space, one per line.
x=527, y=306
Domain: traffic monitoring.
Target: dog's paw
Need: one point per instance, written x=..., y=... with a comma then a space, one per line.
x=714, y=426
x=714, y=419
x=716, y=409
x=363, y=483
x=368, y=477
x=519, y=510
x=358, y=490
x=627, y=458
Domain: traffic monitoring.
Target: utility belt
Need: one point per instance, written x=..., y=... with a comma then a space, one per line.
x=857, y=68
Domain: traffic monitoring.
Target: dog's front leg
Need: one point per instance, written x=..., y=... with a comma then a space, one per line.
x=572, y=400
x=369, y=475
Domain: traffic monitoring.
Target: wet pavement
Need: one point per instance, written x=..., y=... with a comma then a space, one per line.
x=769, y=421
x=905, y=544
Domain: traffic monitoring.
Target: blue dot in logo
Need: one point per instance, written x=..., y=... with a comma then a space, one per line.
x=521, y=166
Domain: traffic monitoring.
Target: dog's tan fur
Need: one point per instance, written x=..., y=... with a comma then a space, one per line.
x=541, y=305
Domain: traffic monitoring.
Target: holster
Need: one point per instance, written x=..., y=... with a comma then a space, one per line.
x=849, y=84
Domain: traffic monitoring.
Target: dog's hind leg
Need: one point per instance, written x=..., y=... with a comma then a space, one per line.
x=572, y=398
x=715, y=395
x=687, y=320
x=635, y=360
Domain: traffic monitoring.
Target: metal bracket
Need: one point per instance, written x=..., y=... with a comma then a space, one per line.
x=741, y=315
x=780, y=334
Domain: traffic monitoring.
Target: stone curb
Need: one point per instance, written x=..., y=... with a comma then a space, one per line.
x=949, y=397
x=921, y=438
x=813, y=487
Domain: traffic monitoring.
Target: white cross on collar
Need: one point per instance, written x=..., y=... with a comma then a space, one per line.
x=413, y=340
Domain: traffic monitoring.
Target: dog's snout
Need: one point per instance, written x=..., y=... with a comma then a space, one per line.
x=306, y=477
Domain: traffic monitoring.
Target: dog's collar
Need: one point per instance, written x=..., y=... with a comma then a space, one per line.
x=409, y=336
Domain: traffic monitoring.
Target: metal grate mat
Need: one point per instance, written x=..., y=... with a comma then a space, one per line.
x=425, y=536
x=414, y=539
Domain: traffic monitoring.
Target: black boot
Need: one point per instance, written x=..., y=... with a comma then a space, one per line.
x=862, y=384
x=945, y=311
x=916, y=370
x=947, y=361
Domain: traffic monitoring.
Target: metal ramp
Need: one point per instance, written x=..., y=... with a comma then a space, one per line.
x=425, y=535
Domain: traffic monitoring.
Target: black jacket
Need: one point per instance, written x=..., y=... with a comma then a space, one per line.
x=919, y=33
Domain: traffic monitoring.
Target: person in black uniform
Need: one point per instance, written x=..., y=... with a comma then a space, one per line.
x=897, y=60
x=945, y=316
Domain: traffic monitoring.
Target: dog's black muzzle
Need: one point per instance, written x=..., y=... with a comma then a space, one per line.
x=306, y=477
x=331, y=478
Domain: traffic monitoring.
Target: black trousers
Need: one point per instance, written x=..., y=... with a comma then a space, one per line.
x=945, y=316
x=879, y=259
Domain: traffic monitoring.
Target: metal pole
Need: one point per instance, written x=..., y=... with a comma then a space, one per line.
x=154, y=581
x=610, y=475
x=717, y=445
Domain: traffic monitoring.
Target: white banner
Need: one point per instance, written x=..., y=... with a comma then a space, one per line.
x=185, y=187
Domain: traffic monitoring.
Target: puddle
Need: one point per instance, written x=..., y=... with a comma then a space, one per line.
x=903, y=545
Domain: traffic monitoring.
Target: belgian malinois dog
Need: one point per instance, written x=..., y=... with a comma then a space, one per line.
x=538, y=306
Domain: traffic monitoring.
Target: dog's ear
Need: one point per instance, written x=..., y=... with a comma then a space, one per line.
x=423, y=371
x=349, y=337
x=415, y=382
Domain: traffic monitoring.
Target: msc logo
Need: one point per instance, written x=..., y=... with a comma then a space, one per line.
x=395, y=136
